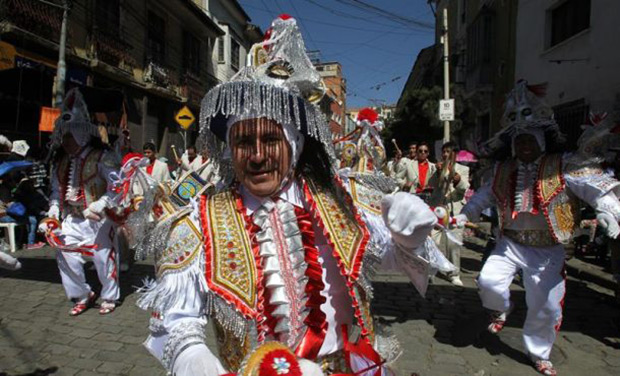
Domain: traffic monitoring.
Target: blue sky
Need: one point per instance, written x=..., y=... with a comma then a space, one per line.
x=376, y=52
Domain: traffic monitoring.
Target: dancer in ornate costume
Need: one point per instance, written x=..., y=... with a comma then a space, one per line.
x=536, y=196
x=79, y=198
x=281, y=253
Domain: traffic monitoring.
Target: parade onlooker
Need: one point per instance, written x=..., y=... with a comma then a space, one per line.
x=450, y=182
x=156, y=168
x=419, y=172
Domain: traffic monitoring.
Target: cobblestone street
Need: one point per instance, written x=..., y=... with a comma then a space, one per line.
x=440, y=335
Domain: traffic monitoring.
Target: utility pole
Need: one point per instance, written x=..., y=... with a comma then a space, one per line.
x=61, y=70
x=446, y=71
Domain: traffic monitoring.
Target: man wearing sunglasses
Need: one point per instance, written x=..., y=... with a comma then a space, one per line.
x=420, y=171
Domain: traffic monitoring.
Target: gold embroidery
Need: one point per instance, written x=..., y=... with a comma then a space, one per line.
x=232, y=262
x=564, y=216
x=345, y=233
x=232, y=350
x=183, y=245
x=365, y=197
x=550, y=178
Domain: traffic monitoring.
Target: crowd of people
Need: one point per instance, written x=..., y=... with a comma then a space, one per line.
x=280, y=253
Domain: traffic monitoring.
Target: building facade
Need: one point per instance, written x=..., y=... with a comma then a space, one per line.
x=231, y=48
x=336, y=93
x=568, y=45
x=160, y=53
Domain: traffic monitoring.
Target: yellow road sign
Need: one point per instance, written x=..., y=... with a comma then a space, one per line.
x=185, y=118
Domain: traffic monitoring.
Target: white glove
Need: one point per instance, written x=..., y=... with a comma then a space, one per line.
x=197, y=360
x=460, y=220
x=409, y=219
x=95, y=210
x=88, y=214
x=309, y=368
x=54, y=211
x=42, y=228
x=609, y=223
x=97, y=207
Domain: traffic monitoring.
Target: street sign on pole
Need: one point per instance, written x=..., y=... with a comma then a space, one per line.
x=185, y=118
x=446, y=109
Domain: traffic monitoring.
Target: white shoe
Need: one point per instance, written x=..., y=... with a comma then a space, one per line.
x=456, y=280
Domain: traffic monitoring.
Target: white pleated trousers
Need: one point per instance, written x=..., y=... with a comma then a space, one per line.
x=81, y=231
x=544, y=282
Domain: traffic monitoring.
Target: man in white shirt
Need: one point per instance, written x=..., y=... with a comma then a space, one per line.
x=156, y=168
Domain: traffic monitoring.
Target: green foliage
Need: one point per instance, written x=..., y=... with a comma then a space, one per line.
x=417, y=117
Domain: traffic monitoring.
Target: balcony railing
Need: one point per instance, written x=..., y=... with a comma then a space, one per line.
x=113, y=49
x=38, y=18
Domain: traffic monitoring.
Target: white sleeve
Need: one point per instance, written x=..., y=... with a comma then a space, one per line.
x=55, y=189
x=592, y=185
x=481, y=200
x=177, y=299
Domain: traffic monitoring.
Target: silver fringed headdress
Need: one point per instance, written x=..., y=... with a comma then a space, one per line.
x=525, y=111
x=74, y=119
x=280, y=84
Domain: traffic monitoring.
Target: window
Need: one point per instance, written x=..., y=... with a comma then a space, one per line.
x=568, y=19
x=156, y=45
x=191, y=53
x=234, y=54
x=570, y=116
x=220, y=50
x=480, y=46
x=108, y=15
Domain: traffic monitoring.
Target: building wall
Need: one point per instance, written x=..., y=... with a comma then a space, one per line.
x=336, y=89
x=583, y=67
x=234, y=23
x=110, y=57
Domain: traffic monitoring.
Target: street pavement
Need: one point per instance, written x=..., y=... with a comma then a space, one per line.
x=441, y=334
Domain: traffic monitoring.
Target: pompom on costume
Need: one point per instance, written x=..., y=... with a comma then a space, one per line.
x=537, y=202
x=291, y=266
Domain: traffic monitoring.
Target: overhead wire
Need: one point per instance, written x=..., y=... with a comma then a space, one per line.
x=319, y=22
x=386, y=14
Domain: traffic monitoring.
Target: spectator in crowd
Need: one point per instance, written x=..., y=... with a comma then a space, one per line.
x=450, y=182
x=15, y=206
x=419, y=172
x=156, y=168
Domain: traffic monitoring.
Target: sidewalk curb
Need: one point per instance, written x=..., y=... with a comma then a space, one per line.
x=581, y=270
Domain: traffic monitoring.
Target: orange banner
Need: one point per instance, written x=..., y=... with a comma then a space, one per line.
x=48, y=118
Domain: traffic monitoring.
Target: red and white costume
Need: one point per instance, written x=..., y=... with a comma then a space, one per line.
x=293, y=267
x=538, y=208
x=79, y=188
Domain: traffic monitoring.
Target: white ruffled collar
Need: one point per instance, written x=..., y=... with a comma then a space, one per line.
x=292, y=193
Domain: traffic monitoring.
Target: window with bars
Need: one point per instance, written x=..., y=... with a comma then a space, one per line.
x=191, y=53
x=156, y=45
x=235, y=50
x=568, y=19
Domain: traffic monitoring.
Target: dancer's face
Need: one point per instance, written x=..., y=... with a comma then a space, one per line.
x=69, y=144
x=526, y=147
x=261, y=155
